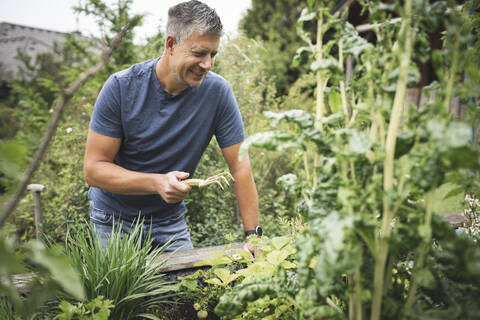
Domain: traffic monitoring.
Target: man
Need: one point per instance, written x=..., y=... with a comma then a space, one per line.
x=151, y=124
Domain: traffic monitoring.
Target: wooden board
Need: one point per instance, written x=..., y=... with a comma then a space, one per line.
x=186, y=259
x=457, y=220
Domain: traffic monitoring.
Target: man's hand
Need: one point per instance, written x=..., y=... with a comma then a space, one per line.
x=171, y=188
x=247, y=246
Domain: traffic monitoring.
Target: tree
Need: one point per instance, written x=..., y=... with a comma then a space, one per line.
x=275, y=22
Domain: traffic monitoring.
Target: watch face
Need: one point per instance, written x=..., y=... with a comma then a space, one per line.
x=259, y=231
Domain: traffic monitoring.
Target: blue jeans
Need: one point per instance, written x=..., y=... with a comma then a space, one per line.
x=162, y=229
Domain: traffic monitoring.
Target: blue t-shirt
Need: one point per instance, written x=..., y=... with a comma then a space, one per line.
x=161, y=132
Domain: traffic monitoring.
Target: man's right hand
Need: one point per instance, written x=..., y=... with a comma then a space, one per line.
x=171, y=188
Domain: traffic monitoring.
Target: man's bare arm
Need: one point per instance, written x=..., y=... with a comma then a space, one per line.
x=245, y=189
x=100, y=171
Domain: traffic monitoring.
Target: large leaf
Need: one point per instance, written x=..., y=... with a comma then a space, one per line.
x=216, y=258
x=306, y=123
x=328, y=64
x=307, y=15
x=60, y=267
x=458, y=134
x=272, y=141
x=352, y=42
x=300, y=117
x=359, y=142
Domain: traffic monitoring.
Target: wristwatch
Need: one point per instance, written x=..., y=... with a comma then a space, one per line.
x=257, y=231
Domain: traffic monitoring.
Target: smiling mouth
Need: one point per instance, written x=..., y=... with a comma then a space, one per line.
x=198, y=74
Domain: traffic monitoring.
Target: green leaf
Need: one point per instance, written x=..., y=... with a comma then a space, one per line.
x=405, y=141
x=458, y=134
x=454, y=192
x=345, y=195
x=258, y=269
x=280, y=242
x=359, y=142
x=333, y=119
x=68, y=310
x=60, y=267
x=353, y=43
x=190, y=284
x=12, y=155
x=288, y=182
x=276, y=257
x=271, y=140
x=425, y=231
x=307, y=15
x=216, y=258
x=328, y=64
x=300, y=117
x=225, y=275
x=436, y=129
x=288, y=265
x=335, y=101
x=215, y=281
x=425, y=278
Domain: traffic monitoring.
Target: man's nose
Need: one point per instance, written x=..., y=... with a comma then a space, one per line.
x=207, y=62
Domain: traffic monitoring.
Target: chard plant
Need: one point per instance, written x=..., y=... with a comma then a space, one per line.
x=372, y=247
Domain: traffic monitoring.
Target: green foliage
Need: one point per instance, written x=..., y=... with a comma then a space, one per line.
x=65, y=201
x=273, y=22
x=367, y=249
x=112, y=17
x=126, y=271
x=98, y=309
x=52, y=273
x=231, y=269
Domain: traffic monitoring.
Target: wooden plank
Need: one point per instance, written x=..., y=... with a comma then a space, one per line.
x=186, y=259
x=457, y=219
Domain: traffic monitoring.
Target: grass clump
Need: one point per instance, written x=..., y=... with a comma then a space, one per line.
x=126, y=271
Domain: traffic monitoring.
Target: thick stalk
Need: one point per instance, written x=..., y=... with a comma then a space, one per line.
x=451, y=78
x=358, y=294
x=351, y=299
x=388, y=172
x=422, y=248
x=320, y=79
x=343, y=91
x=321, y=83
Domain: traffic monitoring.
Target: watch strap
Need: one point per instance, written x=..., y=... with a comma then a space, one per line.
x=257, y=231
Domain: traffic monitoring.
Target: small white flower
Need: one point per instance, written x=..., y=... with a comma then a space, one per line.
x=69, y=130
x=236, y=256
x=51, y=110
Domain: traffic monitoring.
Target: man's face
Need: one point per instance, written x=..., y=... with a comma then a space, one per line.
x=192, y=59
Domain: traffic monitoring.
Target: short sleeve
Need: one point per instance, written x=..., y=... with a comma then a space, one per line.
x=106, y=116
x=229, y=128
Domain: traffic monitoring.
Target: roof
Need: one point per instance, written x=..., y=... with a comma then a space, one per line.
x=28, y=39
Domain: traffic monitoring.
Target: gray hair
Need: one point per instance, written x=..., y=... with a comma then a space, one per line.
x=186, y=17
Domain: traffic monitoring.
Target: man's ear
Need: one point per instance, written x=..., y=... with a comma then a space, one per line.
x=170, y=43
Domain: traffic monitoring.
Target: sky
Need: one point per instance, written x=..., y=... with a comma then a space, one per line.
x=58, y=15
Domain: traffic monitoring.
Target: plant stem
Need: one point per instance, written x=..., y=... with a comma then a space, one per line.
x=319, y=76
x=451, y=78
x=343, y=92
x=422, y=248
x=321, y=83
x=388, y=172
x=358, y=293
